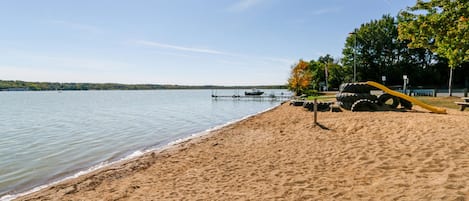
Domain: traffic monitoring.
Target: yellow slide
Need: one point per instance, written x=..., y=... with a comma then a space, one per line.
x=407, y=98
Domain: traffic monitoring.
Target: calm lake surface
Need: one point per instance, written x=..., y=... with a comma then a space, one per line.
x=48, y=136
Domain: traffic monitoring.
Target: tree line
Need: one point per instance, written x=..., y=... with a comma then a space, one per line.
x=6, y=85
x=421, y=42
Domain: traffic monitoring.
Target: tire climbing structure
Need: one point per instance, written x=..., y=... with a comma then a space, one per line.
x=357, y=97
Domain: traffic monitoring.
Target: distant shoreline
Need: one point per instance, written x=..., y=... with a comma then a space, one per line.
x=16, y=85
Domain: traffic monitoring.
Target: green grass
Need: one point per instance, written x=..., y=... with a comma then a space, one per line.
x=447, y=102
x=323, y=97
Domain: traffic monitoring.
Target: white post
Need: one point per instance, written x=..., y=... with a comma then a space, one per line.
x=405, y=83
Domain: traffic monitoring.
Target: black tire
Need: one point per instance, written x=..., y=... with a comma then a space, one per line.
x=352, y=97
x=298, y=103
x=346, y=100
x=364, y=105
x=346, y=105
x=405, y=104
x=324, y=106
x=355, y=88
x=308, y=105
x=383, y=98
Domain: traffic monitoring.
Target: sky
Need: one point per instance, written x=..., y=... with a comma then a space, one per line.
x=184, y=42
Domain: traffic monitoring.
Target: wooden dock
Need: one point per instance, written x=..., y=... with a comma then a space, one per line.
x=252, y=98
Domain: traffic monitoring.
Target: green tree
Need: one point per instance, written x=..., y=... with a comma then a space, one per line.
x=373, y=49
x=338, y=74
x=441, y=26
x=377, y=52
x=326, y=66
x=317, y=70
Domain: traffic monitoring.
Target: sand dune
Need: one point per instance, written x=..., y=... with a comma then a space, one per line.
x=280, y=155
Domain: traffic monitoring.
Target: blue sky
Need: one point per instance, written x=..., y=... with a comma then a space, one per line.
x=187, y=42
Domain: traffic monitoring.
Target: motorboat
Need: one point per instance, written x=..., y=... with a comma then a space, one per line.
x=253, y=92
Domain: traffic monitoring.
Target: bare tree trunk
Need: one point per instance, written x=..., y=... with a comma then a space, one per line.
x=450, y=88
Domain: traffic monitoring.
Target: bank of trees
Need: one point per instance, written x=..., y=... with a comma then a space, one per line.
x=422, y=42
x=6, y=85
x=441, y=27
x=310, y=77
x=40, y=86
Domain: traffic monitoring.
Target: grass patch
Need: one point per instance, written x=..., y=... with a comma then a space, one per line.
x=447, y=102
x=323, y=97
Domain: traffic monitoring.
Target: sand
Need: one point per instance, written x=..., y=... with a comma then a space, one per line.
x=280, y=155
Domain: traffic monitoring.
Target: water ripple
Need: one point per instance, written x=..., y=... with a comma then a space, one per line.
x=48, y=135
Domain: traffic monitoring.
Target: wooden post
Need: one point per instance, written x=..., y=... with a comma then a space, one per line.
x=465, y=92
x=315, y=108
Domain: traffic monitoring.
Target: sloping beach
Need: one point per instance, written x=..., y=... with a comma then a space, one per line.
x=280, y=155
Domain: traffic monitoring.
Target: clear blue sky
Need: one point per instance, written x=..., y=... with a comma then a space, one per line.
x=194, y=42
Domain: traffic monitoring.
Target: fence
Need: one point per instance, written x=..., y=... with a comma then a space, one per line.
x=433, y=92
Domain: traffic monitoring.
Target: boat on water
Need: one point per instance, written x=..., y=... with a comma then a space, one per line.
x=253, y=92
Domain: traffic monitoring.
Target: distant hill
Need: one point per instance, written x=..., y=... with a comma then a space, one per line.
x=15, y=85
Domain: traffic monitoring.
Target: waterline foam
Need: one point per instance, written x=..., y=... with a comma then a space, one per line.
x=131, y=156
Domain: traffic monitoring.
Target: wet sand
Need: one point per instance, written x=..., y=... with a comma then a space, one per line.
x=280, y=155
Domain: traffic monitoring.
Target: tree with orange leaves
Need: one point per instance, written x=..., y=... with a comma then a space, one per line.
x=300, y=77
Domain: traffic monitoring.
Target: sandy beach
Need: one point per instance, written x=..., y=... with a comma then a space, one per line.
x=280, y=155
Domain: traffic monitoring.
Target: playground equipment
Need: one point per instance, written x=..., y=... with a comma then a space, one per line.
x=357, y=97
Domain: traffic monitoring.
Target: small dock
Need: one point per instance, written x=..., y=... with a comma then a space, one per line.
x=260, y=96
x=253, y=98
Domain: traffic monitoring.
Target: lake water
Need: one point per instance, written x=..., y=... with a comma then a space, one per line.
x=49, y=136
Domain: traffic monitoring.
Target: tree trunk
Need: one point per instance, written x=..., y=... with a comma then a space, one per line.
x=450, y=88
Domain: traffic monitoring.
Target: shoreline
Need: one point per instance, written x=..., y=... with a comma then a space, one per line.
x=134, y=155
x=279, y=154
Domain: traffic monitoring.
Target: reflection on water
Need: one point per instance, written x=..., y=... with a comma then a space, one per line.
x=46, y=136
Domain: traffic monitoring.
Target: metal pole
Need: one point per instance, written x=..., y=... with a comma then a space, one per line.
x=355, y=59
x=450, y=89
x=327, y=74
